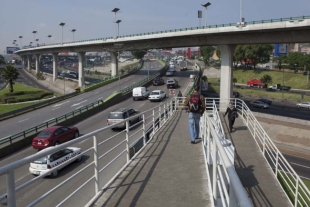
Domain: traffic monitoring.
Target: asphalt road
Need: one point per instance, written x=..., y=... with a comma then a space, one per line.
x=300, y=165
x=25, y=121
x=25, y=196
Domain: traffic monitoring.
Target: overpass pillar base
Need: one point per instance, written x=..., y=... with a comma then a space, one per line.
x=81, y=56
x=114, y=64
x=55, y=69
x=29, y=62
x=226, y=84
x=37, y=63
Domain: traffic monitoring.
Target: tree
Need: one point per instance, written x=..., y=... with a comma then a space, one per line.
x=204, y=78
x=218, y=53
x=267, y=79
x=2, y=60
x=206, y=52
x=10, y=74
x=239, y=54
x=258, y=53
x=138, y=54
x=235, y=81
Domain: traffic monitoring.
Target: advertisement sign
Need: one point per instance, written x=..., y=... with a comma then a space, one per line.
x=11, y=50
x=280, y=49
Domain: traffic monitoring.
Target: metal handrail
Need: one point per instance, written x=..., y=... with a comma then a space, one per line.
x=9, y=169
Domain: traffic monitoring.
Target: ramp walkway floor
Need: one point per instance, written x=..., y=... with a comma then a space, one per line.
x=253, y=170
x=169, y=171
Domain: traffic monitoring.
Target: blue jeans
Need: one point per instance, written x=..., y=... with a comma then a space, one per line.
x=193, y=123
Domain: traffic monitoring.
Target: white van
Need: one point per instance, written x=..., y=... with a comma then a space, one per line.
x=140, y=93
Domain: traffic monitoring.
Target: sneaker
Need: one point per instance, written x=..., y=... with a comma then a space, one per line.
x=193, y=142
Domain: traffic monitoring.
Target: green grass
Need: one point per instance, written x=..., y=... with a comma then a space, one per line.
x=295, y=80
x=8, y=108
x=19, y=87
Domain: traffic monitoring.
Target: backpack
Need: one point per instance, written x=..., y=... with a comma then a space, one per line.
x=194, y=104
x=234, y=114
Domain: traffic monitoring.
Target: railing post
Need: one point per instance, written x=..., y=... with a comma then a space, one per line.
x=277, y=162
x=214, y=171
x=97, y=185
x=254, y=130
x=144, y=136
x=159, y=118
x=296, y=192
x=264, y=144
x=171, y=109
x=247, y=119
x=153, y=121
x=164, y=112
x=10, y=187
x=127, y=141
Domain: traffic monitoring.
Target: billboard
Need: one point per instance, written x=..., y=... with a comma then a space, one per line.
x=11, y=50
x=280, y=49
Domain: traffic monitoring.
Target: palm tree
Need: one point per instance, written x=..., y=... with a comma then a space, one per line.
x=10, y=74
x=267, y=79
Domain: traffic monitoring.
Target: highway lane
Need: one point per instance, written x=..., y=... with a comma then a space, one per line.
x=24, y=79
x=35, y=190
x=30, y=119
x=300, y=165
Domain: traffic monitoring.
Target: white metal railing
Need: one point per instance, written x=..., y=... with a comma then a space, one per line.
x=283, y=171
x=152, y=120
x=225, y=185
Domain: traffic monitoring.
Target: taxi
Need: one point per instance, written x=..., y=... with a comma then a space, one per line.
x=50, y=163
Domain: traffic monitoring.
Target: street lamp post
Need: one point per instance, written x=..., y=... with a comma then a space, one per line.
x=241, y=4
x=206, y=6
x=280, y=67
x=20, y=38
x=34, y=35
x=49, y=37
x=73, y=33
x=62, y=31
x=117, y=22
x=115, y=10
x=30, y=44
x=37, y=40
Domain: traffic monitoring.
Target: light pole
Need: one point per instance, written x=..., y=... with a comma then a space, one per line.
x=62, y=31
x=115, y=10
x=30, y=44
x=34, y=35
x=280, y=67
x=73, y=33
x=117, y=22
x=241, y=5
x=20, y=38
x=49, y=37
x=37, y=40
x=206, y=6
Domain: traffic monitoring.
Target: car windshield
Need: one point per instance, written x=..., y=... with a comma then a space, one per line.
x=155, y=93
x=42, y=160
x=170, y=81
x=116, y=115
x=44, y=134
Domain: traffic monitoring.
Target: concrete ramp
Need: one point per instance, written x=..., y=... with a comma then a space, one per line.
x=253, y=170
x=170, y=171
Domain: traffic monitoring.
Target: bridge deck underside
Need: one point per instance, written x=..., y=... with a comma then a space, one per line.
x=170, y=171
x=254, y=172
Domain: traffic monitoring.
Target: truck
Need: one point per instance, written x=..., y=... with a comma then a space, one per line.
x=279, y=87
x=256, y=83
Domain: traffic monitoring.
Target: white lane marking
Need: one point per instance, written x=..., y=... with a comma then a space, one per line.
x=300, y=165
x=82, y=141
x=141, y=105
x=304, y=177
x=78, y=103
x=100, y=98
x=56, y=108
x=49, y=119
x=97, y=92
x=23, y=120
x=21, y=178
x=79, y=107
x=79, y=99
x=60, y=104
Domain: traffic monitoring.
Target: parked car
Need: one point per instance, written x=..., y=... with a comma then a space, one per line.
x=158, y=81
x=172, y=83
x=140, y=93
x=169, y=73
x=279, y=87
x=122, y=114
x=267, y=101
x=54, y=135
x=259, y=104
x=157, y=95
x=256, y=83
x=172, y=69
x=303, y=105
x=49, y=163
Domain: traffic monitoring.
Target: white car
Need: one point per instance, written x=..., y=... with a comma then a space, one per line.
x=303, y=105
x=49, y=163
x=172, y=69
x=169, y=73
x=157, y=95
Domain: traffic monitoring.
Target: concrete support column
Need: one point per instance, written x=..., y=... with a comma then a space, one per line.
x=226, y=85
x=55, y=70
x=81, y=56
x=23, y=61
x=37, y=63
x=114, y=64
x=29, y=62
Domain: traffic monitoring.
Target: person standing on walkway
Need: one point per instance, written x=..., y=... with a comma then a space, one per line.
x=232, y=115
x=196, y=107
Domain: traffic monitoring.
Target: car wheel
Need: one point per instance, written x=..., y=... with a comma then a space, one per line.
x=79, y=158
x=54, y=174
x=76, y=134
x=134, y=99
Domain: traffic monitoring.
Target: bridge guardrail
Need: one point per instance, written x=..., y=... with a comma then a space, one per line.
x=151, y=121
x=35, y=106
x=219, y=155
x=296, y=190
x=186, y=29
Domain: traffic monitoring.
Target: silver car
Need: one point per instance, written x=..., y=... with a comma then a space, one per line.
x=303, y=105
x=120, y=115
x=259, y=104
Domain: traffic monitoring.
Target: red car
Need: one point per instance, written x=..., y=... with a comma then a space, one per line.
x=54, y=135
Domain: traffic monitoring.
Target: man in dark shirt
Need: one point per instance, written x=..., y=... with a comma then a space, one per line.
x=231, y=110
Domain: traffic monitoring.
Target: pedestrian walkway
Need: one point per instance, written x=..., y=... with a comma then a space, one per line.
x=170, y=171
x=254, y=172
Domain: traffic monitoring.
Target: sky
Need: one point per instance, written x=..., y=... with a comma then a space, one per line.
x=94, y=19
